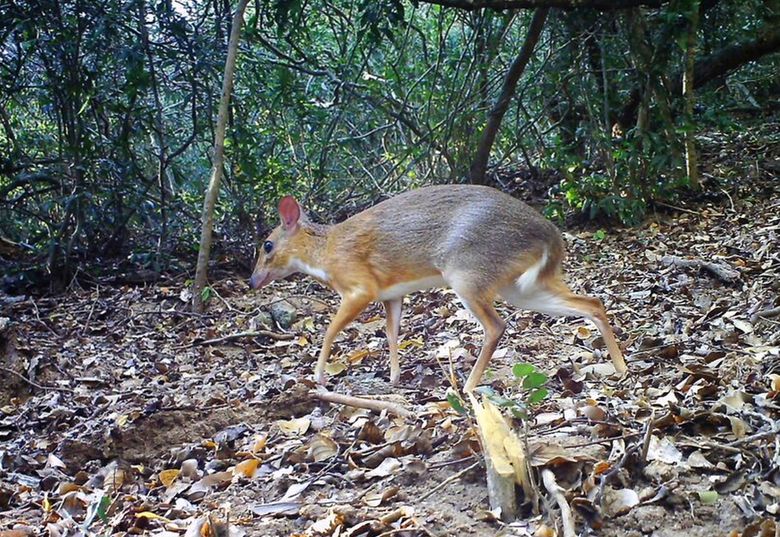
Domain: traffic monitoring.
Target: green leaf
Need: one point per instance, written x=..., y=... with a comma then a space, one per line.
x=455, y=402
x=537, y=396
x=708, y=497
x=600, y=235
x=534, y=380
x=523, y=370
x=102, y=510
x=206, y=293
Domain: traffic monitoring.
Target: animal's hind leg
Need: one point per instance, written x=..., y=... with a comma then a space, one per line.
x=480, y=304
x=592, y=308
x=393, y=312
x=555, y=298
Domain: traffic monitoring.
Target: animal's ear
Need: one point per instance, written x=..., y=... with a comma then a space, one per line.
x=290, y=213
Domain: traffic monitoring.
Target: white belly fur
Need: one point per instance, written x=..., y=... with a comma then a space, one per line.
x=400, y=289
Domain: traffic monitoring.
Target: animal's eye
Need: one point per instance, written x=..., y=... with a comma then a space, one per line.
x=268, y=246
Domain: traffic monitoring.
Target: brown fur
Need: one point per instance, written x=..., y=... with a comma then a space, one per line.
x=477, y=239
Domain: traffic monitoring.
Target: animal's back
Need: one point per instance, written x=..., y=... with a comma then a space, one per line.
x=477, y=229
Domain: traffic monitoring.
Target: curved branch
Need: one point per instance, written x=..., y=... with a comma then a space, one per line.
x=496, y=114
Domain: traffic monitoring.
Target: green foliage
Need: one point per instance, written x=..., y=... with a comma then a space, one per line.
x=341, y=103
x=455, y=402
x=531, y=392
x=206, y=294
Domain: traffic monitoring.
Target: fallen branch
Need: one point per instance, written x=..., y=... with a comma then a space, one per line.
x=567, y=520
x=607, y=477
x=721, y=271
x=772, y=433
x=239, y=335
x=765, y=314
x=33, y=383
x=360, y=402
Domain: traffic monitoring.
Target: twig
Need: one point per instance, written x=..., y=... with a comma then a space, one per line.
x=731, y=201
x=648, y=434
x=449, y=463
x=606, y=478
x=447, y=481
x=38, y=317
x=225, y=302
x=567, y=520
x=720, y=270
x=752, y=438
x=33, y=383
x=360, y=402
x=91, y=311
x=239, y=335
x=603, y=440
x=676, y=208
x=765, y=314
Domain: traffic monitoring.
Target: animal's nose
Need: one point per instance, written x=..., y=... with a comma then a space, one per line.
x=253, y=281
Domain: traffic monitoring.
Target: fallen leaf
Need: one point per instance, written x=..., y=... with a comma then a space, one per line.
x=167, y=477
x=663, y=450
x=259, y=444
x=415, y=342
x=247, y=468
x=387, y=467
x=151, y=516
x=697, y=460
x=295, y=426
x=378, y=498
x=708, y=497
x=321, y=448
x=282, y=508
x=358, y=356
x=335, y=368
x=619, y=501
x=327, y=525
x=583, y=333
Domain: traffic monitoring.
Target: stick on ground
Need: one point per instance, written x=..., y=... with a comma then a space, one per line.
x=240, y=335
x=719, y=270
x=360, y=402
x=567, y=520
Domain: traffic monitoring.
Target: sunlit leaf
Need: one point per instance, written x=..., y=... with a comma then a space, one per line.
x=534, y=380
x=537, y=396
x=522, y=370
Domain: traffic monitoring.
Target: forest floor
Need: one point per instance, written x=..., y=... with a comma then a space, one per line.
x=119, y=412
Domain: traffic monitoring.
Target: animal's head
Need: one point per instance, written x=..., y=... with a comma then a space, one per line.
x=284, y=248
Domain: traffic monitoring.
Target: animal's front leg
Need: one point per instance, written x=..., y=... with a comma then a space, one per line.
x=351, y=306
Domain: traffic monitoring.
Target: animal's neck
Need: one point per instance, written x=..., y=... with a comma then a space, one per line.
x=314, y=264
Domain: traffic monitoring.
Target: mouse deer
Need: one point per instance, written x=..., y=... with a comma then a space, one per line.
x=480, y=242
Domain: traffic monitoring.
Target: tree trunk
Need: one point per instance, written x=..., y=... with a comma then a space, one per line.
x=158, y=137
x=691, y=159
x=479, y=166
x=207, y=217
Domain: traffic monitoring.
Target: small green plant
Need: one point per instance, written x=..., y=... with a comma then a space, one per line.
x=206, y=294
x=533, y=383
x=600, y=235
x=533, y=391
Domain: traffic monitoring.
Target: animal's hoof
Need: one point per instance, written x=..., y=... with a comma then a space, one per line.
x=395, y=379
x=320, y=379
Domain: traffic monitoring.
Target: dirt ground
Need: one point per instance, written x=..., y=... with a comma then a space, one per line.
x=121, y=414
